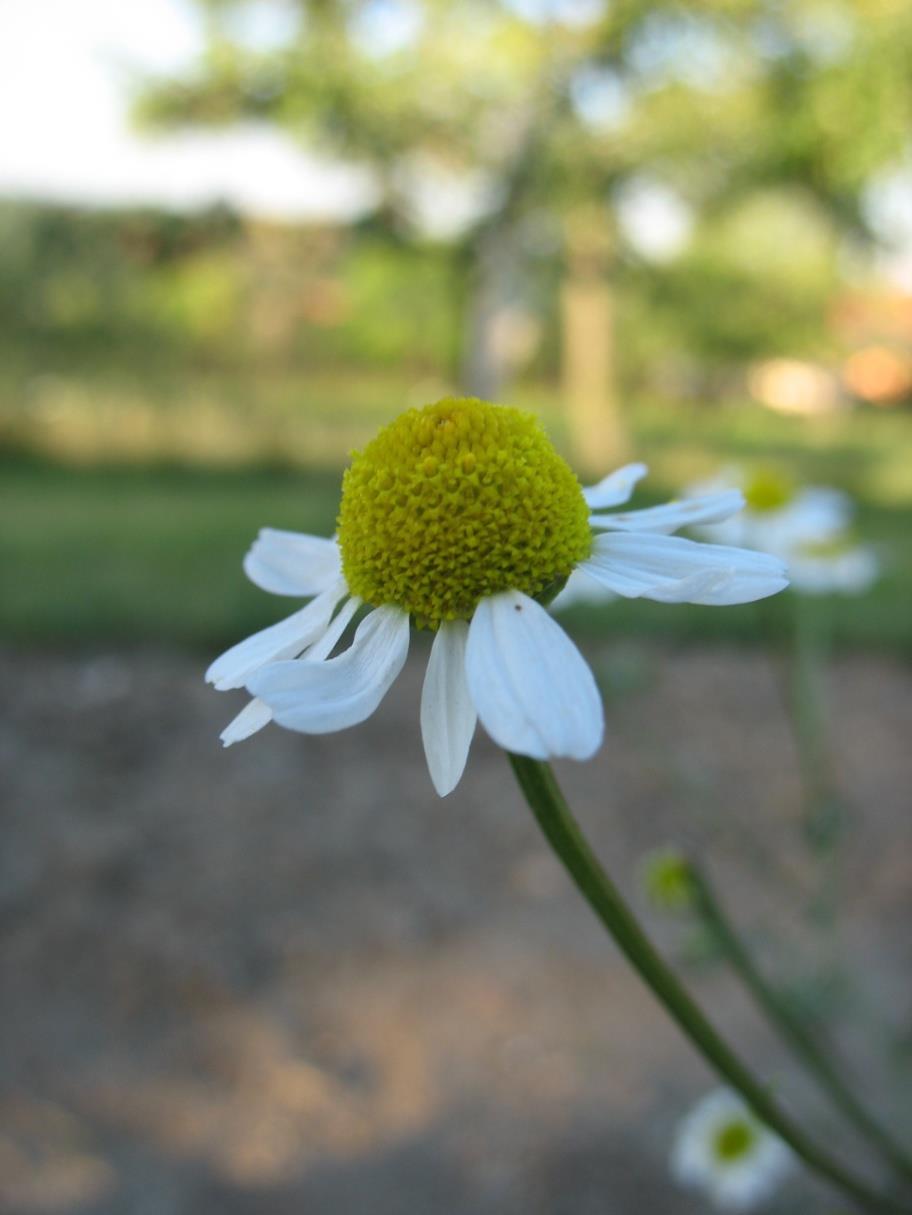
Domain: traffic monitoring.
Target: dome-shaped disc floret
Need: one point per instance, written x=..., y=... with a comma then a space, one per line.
x=457, y=501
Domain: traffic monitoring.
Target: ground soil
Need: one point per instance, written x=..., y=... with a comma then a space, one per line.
x=287, y=979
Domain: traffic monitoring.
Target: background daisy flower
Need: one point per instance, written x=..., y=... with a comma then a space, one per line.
x=461, y=518
x=724, y=1150
x=808, y=527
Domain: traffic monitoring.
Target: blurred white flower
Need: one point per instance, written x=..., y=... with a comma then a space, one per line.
x=807, y=527
x=835, y=567
x=724, y=1150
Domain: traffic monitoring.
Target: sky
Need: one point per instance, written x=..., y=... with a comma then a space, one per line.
x=66, y=68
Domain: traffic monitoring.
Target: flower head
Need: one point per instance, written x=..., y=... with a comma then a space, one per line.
x=457, y=501
x=461, y=518
x=808, y=527
x=722, y=1148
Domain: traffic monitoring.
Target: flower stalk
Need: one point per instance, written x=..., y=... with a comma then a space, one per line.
x=824, y=811
x=559, y=827
x=791, y=1028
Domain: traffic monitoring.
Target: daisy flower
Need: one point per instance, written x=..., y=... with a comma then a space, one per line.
x=833, y=567
x=809, y=528
x=461, y=519
x=724, y=1150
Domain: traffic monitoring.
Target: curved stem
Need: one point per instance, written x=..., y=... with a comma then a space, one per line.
x=561, y=830
x=789, y=1027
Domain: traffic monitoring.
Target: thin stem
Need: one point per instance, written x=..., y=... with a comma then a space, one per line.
x=799, y=678
x=824, y=812
x=791, y=1028
x=561, y=830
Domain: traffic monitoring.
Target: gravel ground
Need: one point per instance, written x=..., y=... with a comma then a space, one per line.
x=287, y=979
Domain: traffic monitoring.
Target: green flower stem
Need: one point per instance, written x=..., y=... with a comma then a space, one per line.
x=791, y=1029
x=562, y=832
x=824, y=813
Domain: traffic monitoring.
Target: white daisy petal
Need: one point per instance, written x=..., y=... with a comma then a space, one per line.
x=741, y=1189
x=714, y=508
x=531, y=686
x=254, y=716
x=291, y=563
x=703, y=587
x=580, y=588
x=674, y=570
x=320, y=697
x=447, y=712
x=324, y=647
x=282, y=640
x=615, y=488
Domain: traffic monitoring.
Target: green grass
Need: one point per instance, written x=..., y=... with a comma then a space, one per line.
x=141, y=553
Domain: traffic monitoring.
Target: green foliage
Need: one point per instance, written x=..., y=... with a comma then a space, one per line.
x=79, y=282
x=105, y=288
x=718, y=312
x=836, y=98
x=401, y=307
x=198, y=301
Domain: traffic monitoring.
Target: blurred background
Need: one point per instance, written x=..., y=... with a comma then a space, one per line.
x=237, y=237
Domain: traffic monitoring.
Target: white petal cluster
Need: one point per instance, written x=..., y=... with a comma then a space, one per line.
x=702, y=1157
x=810, y=532
x=511, y=667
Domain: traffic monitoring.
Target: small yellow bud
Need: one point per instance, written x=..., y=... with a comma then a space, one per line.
x=767, y=491
x=667, y=880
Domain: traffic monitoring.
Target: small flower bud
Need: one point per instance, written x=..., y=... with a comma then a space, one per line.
x=667, y=880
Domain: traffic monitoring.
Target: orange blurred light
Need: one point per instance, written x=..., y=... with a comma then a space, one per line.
x=878, y=375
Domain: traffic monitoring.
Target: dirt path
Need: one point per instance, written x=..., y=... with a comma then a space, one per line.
x=287, y=979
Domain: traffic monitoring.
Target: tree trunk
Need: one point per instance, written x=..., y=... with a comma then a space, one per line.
x=598, y=437
x=484, y=360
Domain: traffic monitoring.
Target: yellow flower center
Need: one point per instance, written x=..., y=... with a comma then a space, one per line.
x=734, y=1140
x=456, y=501
x=768, y=491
